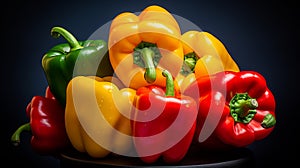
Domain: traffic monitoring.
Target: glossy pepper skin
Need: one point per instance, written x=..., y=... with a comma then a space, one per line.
x=94, y=106
x=141, y=46
x=46, y=124
x=241, y=103
x=64, y=61
x=164, y=123
x=204, y=54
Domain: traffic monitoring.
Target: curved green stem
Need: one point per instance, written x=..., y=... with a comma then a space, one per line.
x=150, y=74
x=243, y=107
x=15, y=138
x=58, y=31
x=147, y=55
x=169, y=83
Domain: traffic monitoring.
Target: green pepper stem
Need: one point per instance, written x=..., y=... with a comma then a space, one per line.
x=147, y=56
x=189, y=64
x=268, y=121
x=57, y=31
x=15, y=138
x=191, y=59
x=169, y=83
x=243, y=107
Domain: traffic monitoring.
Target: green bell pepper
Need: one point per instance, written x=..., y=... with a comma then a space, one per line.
x=67, y=60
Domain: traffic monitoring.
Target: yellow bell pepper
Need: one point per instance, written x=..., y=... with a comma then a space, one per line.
x=204, y=54
x=97, y=116
x=141, y=46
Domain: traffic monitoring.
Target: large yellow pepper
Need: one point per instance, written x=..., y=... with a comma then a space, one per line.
x=204, y=54
x=141, y=46
x=97, y=116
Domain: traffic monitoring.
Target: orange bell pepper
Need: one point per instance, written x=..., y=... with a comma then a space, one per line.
x=141, y=46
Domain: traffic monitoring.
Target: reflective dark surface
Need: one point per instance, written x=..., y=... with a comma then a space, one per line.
x=241, y=157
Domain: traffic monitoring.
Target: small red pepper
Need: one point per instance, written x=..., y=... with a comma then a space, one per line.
x=163, y=123
x=46, y=124
x=239, y=103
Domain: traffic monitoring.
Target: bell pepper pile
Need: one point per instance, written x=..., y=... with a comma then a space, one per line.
x=150, y=91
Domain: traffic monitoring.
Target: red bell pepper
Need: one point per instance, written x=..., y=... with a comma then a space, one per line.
x=163, y=123
x=241, y=106
x=46, y=124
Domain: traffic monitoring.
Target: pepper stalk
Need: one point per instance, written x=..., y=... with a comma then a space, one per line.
x=147, y=55
x=169, y=83
x=56, y=32
x=190, y=60
x=15, y=138
x=243, y=109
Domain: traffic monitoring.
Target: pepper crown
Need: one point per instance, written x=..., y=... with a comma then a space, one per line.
x=243, y=107
x=189, y=64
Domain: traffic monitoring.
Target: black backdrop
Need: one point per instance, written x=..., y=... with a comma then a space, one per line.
x=260, y=36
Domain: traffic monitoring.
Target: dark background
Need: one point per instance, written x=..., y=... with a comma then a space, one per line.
x=260, y=36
